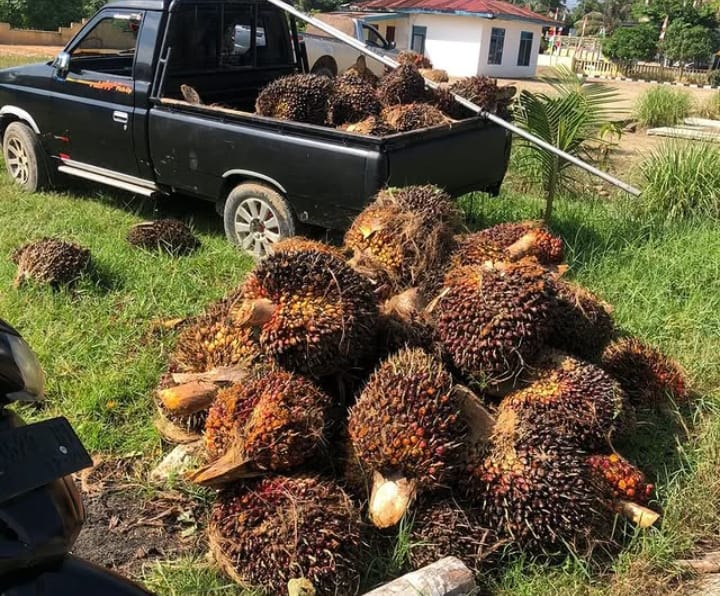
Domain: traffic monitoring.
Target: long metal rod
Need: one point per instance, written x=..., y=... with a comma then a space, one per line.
x=358, y=45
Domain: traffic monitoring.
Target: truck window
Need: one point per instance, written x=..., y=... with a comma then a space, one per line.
x=219, y=36
x=373, y=38
x=109, y=47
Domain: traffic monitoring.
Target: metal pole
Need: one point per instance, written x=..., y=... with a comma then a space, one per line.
x=358, y=45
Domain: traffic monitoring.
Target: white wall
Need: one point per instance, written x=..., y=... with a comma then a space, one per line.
x=452, y=42
x=460, y=44
x=509, y=67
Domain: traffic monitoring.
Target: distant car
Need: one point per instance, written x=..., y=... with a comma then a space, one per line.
x=241, y=38
x=329, y=56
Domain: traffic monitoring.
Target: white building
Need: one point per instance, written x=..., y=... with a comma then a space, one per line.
x=463, y=37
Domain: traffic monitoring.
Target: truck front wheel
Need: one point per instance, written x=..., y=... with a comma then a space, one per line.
x=24, y=157
x=257, y=217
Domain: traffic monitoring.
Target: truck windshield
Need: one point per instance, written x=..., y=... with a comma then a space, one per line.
x=373, y=38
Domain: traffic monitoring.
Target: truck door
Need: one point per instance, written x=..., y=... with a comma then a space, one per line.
x=93, y=101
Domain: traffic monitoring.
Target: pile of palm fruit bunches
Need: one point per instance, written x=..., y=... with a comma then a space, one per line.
x=357, y=101
x=417, y=372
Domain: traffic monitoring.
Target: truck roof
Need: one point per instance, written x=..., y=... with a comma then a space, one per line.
x=165, y=4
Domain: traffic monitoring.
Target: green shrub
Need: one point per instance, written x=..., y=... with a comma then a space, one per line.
x=662, y=106
x=682, y=181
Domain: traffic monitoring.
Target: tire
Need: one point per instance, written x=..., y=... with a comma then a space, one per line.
x=256, y=217
x=325, y=66
x=324, y=71
x=25, y=158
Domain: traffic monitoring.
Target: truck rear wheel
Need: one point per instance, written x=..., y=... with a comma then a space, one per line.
x=24, y=157
x=257, y=217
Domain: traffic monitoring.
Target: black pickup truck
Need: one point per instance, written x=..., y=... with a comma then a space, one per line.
x=110, y=109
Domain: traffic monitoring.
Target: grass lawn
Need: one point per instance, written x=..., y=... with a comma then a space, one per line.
x=102, y=359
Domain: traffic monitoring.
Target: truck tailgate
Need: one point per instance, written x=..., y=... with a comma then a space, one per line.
x=469, y=155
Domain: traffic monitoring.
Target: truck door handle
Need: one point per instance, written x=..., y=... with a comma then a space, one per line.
x=120, y=117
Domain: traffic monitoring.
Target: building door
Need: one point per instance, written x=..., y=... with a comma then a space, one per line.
x=417, y=42
x=390, y=33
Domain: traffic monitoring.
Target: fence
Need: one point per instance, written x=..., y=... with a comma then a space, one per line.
x=29, y=37
x=647, y=72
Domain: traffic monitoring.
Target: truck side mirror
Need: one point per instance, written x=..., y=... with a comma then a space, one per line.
x=391, y=45
x=62, y=63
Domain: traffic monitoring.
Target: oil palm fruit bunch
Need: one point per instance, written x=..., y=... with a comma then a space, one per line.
x=212, y=340
x=313, y=313
x=300, y=97
x=267, y=532
x=406, y=432
x=301, y=244
x=373, y=126
x=646, y=374
x=403, y=85
x=352, y=99
x=570, y=402
x=622, y=479
x=414, y=59
x=582, y=323
x=181, y=420
x=482, y=91
x=170, y=235
x=435, y=75
x=547, y=248
x=414, y=116
x=541, y=498
x=50, y=261
x=444, y=101
x=443, y=528
x=477, y=249
x=404, y=322
x=275, y=421
x=361, y=70
x=404, y=236
x=492, y=319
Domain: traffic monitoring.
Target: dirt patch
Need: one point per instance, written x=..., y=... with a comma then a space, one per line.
x=30, y=51
x=128, y=525
x=628, y=92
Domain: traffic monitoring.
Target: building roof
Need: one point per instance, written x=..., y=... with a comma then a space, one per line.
x=489, y=9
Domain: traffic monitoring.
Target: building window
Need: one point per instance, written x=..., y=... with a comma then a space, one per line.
x=526, y=39
x=497, y=41
x=390, y=33
x=417, y=42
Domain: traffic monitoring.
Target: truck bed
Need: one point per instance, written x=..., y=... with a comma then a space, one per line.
x=327, y=174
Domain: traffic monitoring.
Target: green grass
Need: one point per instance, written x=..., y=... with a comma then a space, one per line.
x=662, y=106
x=682, y=181
x=95, y=342
x=102, y=362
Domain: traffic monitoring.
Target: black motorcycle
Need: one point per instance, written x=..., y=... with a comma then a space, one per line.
x=41, y=511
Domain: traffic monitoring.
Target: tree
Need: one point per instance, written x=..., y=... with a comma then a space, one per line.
x=41, y=14
x=639, y=42
x=685, y=42
x=570, y=119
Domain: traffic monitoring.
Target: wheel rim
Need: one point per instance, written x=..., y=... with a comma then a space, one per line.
x=257, y=226
x=18, y=161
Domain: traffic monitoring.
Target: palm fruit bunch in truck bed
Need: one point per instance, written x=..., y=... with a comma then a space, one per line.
x=426, y=375
x=301, y=98
x=50, y=261
x=353, y=96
